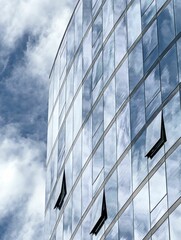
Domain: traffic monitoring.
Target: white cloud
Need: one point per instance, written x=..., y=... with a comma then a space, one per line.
x=21, y=184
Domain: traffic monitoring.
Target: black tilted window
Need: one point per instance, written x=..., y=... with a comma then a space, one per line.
x=102, y=218
x=62, y=195
x=160, y=142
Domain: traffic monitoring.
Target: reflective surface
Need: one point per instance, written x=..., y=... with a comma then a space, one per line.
x=116, y=73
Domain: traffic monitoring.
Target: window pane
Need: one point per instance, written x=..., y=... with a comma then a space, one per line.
x=107, y=18
x=175, y=230
x=162, y=232
x=139, y=161
x=124, y=180
x=86, y=96
x=165, y=27
x=137, y=111
x=177, y=10
x=148, y=15
x=111, y=198
x=172, y=118
x=76, y=205
x=108, y=58
x=87, y=14
x=134, y=22
x=152, y=85
x=150, y=40
x=97, y=71
x=120, y=41
x=110, y=149
x=109, y=103
x=122, y=84
x=78, y=26
x=173, y=166
x=97, y=27
x=126, y=224
x=157, y=191
x=119, y=7
x=87, y=51
x=135, y=65
x=86, y=186
x=123, y=130
x=77, y=158
x=169, y=73
x=141, y=214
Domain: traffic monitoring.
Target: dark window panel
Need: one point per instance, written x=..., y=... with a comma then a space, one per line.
x=153, y=151
x=102, y=218
x=62, y=195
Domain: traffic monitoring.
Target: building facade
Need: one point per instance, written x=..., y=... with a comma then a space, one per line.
x=114, y=124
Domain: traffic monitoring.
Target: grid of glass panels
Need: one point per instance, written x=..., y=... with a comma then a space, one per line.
x=114, y=89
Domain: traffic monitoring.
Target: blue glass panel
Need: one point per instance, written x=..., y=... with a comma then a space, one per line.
x=87, y=13
x=134, y=22
x=122, y=84
x=108, y=58
x=139, y=162
x=148, y=15
x=152, y=85
x=173, y=168
x=120, y=41
x=150, y=40
x=137, y=111
x=135, y=65
x=141, y=214
x=123, y=130
x=119, y=7
x=177, y=4
x=169, y=72
x=166, y=31
x=126, y=224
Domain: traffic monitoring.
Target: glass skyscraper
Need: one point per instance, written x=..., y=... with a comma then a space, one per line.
x=114, y=124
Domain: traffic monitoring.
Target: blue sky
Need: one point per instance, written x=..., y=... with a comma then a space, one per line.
x=31, y=31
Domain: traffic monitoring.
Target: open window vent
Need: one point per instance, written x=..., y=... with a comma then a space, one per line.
x=62, y=195
x=102, y=218
x=160, y=142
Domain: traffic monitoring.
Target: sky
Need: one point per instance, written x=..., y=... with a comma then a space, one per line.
x=30, y=33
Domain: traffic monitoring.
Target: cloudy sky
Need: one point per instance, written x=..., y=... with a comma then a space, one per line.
x=30, y=32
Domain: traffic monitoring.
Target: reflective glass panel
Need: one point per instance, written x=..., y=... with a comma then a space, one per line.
x=135, y=65
x=110, y=149
x=87, y=13
x=124, y=180
x=134, y=22
x=173, y=166
x=137, y=111
x=109, y=103
x=169, y=72
x=107, y=18
x=119, y=7
x=175, y=230
x=172, y=119
x=87, y=51
x=122, y=84
x=141, y=214
x=150, y=40
x=139, y=161
x=157, y=191
x=108, y=58
x=162, y=232
x=120, y=40
x=152, y=85
x=111, y=193
x=123, y=130
x=166, y=30
x=126, y=224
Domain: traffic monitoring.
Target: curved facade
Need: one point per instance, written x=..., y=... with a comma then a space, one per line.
x=114, y=124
